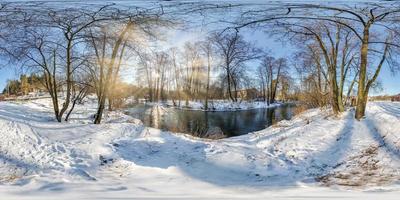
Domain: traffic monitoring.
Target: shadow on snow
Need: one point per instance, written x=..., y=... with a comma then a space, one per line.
x=191, y=157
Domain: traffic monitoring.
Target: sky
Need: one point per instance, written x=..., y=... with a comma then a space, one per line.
x=6, y=74
x=390, y=82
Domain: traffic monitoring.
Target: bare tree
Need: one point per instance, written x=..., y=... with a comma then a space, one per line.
x=176, y=74
x=71, y=23
x=106, y=57
x=270, y=72
x=374, y=26
x=234, y=52
x=208, y=50
x=108, y=46
x=332, y=43
x=50, y=39
x=42, y=56
x=192, y=71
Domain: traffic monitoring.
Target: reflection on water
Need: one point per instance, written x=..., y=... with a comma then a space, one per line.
x=199, y=123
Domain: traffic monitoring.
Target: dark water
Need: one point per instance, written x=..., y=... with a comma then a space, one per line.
x=232, y=123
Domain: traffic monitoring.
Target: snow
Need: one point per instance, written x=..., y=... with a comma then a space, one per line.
x=215, y=105
x=315, y=155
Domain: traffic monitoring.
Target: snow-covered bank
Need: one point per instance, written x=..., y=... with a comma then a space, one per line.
x=312, y=156
x=216, y=105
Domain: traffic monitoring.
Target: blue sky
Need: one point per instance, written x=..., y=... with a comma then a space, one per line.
x=5, y=74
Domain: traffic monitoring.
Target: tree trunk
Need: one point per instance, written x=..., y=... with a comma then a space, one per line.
x=275, y=85
x=208, y=82
x=334, y=90
x=100, y=110
x=70, y=111
x=350, y=89
x=110, y=102
x=340, y=102
x=361, y=97
x=229, y=84
x=55, y=108
x=69, y=79
x=235, y=90
x=53, y=90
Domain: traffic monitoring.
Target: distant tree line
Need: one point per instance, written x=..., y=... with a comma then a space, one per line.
x=24, y=85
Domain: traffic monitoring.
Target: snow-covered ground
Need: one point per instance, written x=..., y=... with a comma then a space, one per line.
x=313, y=156
x=215, y=105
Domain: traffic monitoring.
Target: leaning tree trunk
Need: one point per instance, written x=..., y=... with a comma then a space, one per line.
x=70, y=111
x=100, y=110
x=78, y=98
x=102, y=100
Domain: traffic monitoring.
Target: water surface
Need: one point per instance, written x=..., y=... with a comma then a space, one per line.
x=197, y=123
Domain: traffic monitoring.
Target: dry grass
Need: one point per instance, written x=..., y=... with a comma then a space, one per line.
x=361, y=171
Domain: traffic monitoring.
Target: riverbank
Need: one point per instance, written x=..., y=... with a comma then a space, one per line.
x=314, y=155
x=215, y=105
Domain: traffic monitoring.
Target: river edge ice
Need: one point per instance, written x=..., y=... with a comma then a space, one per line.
x=314, y=155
